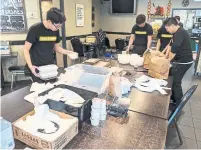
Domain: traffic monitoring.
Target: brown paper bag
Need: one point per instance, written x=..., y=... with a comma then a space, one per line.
x=148, y=54
x=159, y=67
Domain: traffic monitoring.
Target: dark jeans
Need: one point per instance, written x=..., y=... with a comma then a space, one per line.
x=139, y=49
x=178, y=71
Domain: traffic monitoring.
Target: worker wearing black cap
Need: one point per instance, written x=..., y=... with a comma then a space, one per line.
x=42, y=39
x=141, y=35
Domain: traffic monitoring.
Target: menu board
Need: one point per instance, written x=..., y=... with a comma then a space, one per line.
x=12, y=15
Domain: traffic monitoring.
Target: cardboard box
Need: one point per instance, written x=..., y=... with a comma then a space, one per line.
x=39, y=143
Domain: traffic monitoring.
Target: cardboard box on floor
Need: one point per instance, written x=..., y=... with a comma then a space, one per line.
x=39, y=143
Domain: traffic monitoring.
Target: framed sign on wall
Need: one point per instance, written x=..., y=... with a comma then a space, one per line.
x=13, y=19
x=79, y=13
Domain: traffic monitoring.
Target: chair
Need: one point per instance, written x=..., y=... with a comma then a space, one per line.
x=100, y=42
x=78, y=47
x=174, y=114
x=15, y=71
x=120, y=44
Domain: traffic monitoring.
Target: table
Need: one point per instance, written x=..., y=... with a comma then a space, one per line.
x=145, y=126
x=153, y=104
x=139, y=131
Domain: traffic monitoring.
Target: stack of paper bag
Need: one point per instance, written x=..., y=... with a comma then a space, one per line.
x=159, y=67
x=148, y=54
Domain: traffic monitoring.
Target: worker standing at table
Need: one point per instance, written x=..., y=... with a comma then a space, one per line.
x=164, y=38
x=141, y=35
x=42, y=39
x=180, y=55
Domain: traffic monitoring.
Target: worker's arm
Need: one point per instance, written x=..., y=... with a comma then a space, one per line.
x=158, y=45
x=167, y=51
x=149, y=37
x=171, y=56
x=27, y=47
x=132, y=39
x=149, y=40
x=60, y=50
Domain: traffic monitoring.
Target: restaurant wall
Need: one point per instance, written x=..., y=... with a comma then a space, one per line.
x=124, y=23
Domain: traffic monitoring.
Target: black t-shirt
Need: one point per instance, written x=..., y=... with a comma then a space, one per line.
x=43, y=41
x=141, y=34
x=164, y=37
x=181, y=46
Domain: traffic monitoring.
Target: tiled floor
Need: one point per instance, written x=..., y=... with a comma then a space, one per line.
x=190, y=120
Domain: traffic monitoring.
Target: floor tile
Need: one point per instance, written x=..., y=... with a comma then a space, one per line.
x=186, y=113
x=187, y=121
x=195, y=106
x=174, y=143
x=188, y=144
x=196, y=114
x=198, y=134
x=187, y=107
x=199, y=144
x=187, y=132
x=195, y=100
x=197, y=123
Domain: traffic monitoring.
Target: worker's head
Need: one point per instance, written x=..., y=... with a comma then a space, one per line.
x=177, y=18
x=171, y=25
x=140, y=20
x=55, y=19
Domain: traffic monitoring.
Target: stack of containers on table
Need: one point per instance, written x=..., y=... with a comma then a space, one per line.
x=92, y=82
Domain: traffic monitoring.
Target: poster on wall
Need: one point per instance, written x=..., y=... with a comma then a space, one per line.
x=12, y=13
x=79, y=15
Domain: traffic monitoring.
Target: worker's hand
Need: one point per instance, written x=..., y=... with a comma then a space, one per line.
x=33, y=70
x=127, y=51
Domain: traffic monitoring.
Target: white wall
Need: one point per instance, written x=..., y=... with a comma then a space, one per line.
x=124, y=23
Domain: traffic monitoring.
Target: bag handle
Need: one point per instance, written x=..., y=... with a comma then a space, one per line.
x=147, y=50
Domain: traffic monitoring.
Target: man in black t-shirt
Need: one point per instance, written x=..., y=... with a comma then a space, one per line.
x=42, y=39
x=164, y=38
x=180, y=55
x=141, y=35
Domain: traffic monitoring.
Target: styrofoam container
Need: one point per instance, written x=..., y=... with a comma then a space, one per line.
x=103, y=104
x=103, y=117
x=96, y=103
x=103, y=111
x=47, y=68
x=95, y=122
x=73, y=55
x=93, y=109
x=124, y=59
x=95, y=115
